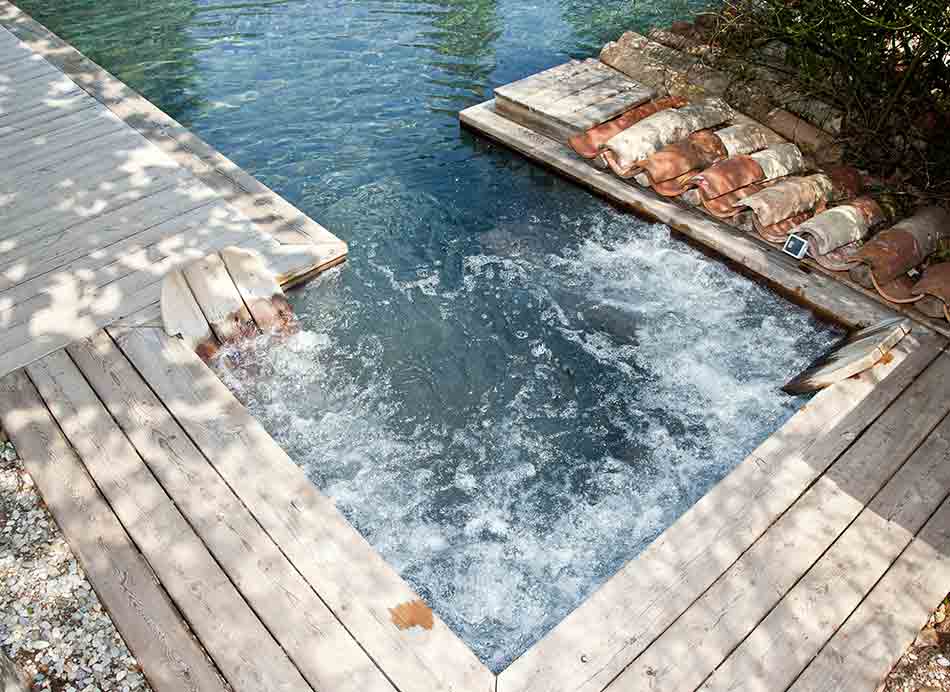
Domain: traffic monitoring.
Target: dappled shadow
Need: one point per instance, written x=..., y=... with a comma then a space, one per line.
x=108, y=215
x=104, y=194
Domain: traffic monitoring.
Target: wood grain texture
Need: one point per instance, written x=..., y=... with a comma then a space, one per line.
x=182, y=316
x=259, y=288
x=244, y=651
x=151, y=627
x=315, y=641
x=863, y=651
x=704, y=635
x=598, y=640
x=348, y=574
x=570, y=98
x=780, y=647
x=219, y=299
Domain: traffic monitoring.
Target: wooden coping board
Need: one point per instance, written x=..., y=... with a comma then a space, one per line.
x=572, y=97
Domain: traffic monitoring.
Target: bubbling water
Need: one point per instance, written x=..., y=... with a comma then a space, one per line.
x=565, y=408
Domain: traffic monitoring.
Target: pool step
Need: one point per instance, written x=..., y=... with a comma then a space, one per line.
x=224, y=298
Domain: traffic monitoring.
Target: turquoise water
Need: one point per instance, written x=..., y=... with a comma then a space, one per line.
x=510, y=388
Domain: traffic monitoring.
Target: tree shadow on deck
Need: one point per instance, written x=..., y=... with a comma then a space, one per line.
x=103, y=194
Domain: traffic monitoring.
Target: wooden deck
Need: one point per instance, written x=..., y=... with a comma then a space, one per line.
x=96, y=207
x=810, y=567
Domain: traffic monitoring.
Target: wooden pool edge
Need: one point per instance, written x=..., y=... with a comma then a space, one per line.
x=801, y=282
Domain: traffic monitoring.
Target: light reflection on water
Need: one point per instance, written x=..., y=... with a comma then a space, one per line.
x=510, y=388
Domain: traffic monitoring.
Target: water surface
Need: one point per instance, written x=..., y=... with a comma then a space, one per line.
x=510, y=388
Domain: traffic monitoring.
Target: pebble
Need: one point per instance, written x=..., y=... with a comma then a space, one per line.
x=927, y=637
x=51, y=621
x=942, y=662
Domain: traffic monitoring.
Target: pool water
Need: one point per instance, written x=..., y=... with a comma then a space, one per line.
x=510, y=388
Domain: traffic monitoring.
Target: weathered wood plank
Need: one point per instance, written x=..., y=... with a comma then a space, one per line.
x=146, y=619
x=864, y=649
x=63, y=211
x=780, y=647
x=71, y=101
x=83, y=165
x=350, y=576
x=693, y=646
x=48, y=122
x=799, y=283
x=166, y=201
x=23, y=71
x=321, y=648
x=258, y=286
x=245, y=652
x=44, y=119
x=570, y=98
x=594, y=644
x=34, y=149
x=49, y=158
x=183, y=318
x=523, y=89
x=218, y=298
x=35, y=91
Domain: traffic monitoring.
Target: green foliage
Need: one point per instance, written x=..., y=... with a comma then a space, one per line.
x=884, y=63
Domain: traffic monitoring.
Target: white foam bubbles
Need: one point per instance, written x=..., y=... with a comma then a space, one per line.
x=539, y=418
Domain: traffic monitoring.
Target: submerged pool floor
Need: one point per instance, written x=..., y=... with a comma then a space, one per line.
x=583, y=386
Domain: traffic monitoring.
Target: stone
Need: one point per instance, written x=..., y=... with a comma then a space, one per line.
x=927, y=637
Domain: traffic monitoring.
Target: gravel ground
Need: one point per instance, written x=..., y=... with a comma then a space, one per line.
x=51, y=622
x=925, y=666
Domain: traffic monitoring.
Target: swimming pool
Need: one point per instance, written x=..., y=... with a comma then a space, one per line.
x=510, y=388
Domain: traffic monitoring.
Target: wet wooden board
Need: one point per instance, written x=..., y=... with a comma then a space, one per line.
x=141, y=610
x=218, y=298
x=570, y=98
x=596, y=642
x=243, y=649
x=350, y=576
x=259, y=288
x=319, y=646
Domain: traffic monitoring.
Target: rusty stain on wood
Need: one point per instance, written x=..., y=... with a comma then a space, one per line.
x=412, y=614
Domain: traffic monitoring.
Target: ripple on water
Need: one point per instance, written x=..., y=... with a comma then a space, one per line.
x=509, y=476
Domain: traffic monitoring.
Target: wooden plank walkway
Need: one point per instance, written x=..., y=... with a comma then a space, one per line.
x=95, y=209
x=809, y=567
